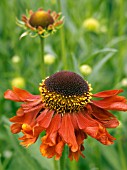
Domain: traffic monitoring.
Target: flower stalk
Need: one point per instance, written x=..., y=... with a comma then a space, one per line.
x=63, y=160
x=55, y=163
x=42, y=65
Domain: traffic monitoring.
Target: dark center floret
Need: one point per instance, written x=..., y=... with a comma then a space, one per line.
x=65, y=92
x=66, y=83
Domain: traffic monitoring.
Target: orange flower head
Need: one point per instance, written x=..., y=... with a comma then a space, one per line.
x=68, y=112
x=42, y=23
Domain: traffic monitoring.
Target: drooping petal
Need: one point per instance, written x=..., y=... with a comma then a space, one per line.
x=66, y=131
x=10, y=95
x=103, y=116
x=80, y=136
x=20, y=112
x=47, y=151
x=94, y=129
x=25, y=95
x=112, y=103
x=107, y=93
x=75, y=155
x=44, y=119
x=84, y=121
x=19, y=95
x=52, y=130
x=16, y=128
x=30, y=134
x=27, y=141
x=32, y=104
x=50, y=151
x=59, y=149
x=28, y=117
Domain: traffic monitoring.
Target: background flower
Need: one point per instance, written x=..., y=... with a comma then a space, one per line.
x=41, y=23
x=49, y=59
x=91, y=24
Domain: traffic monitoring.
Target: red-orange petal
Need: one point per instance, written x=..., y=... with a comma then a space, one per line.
x=27, y=141
x=112, y=103
x=59, y=149
x=94, y=129
x=28, y=117
x=19, y=95
x=103, y=116
x=20, y=112
x=25, y=95
x=53, y=129
x=85, y=121
x=32, y=104
x=66, y=131
x=16, y=128
x=77, y=154
x=47, y=151
x=45, y=120
x=10, y=95
x=107, y=93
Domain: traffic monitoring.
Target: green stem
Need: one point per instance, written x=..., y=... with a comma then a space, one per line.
x=122, y=156
x=73, y=165
x=62, y=160
x=42, y=67
x=55, y=164
x=62, y=38
x=1, y=166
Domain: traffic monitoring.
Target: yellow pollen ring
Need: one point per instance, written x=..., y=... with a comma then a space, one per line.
x=64, y=104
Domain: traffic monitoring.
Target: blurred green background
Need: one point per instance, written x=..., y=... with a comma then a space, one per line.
x=102, y=45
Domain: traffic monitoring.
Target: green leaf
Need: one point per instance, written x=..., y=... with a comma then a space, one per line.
x=111, y=155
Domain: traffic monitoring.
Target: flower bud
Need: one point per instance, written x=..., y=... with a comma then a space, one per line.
x=91, y=24
x=16, y=59
x=7, y=153
x=41, y=18
x=124, y=82
x=85, y=69
x=18, y=82
x=49, y=59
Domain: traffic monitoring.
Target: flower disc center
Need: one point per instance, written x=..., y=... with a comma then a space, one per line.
x=41, y=18
x=67, y=83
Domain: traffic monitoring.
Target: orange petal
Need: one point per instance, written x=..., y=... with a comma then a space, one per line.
x=66, y=131
x=25, y=95
x=47, y=151
x=105, y=117
x=27, y=141
x=85, y=121
x=28, y=117
x=59, y=149
x=53, y=129
x=10, y=95
x=46, y=119
x=107, y=93
x=20, y=112
x=112, y=103
x=75, y=155
x=16, y=128
x=19, y=95
x=32, y=104
x=94, y=129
